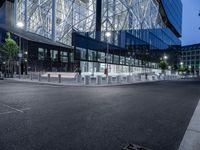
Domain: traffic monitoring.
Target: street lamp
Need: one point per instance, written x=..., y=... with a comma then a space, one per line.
x=181, y=63
x=20, y=25
x=108, y=34
x=165, y=57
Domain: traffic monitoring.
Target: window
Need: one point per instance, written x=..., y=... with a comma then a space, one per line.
x=71, y=57
x=128, y=61
x=92, y=55
x=109, y=58
x=83, y=53
x=122, y=60
x=101, y=57
x=193, y=52
x=42, y=53
x=64, y=57
x=116, y=59
x=136, y=62
x=54, y=55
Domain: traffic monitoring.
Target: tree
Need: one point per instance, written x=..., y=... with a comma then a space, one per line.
x=10, y=49
x=163, y=65
x=182, y=69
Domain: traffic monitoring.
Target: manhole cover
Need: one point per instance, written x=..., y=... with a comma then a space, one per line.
x=135, y=147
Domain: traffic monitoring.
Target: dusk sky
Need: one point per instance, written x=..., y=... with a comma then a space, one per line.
x=191, y=22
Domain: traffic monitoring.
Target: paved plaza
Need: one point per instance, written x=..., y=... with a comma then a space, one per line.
x=37, y=116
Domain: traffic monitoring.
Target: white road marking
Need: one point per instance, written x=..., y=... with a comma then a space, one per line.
x=13, y=108
x=14, y=111
x=24, y=109
x=8, y=112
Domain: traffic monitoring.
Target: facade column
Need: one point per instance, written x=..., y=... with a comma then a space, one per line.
x=98, y=19
x=25, y=17
x=15, y=13
x=54, y=20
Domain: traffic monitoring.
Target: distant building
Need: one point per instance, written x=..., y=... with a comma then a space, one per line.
x=63, y=35
x=191, y=58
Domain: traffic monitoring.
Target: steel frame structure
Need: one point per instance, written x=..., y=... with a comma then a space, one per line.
x=131, y=14
x=57, y=19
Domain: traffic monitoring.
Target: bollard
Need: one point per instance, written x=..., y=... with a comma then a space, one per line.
x=59, y=78
x=24, y=75
x=109, y=79
x=14, y=75
x=39, y=76
x=31, y=76
x=87, y=80
x=78, y=78
x=49, y=78
x=99, y=80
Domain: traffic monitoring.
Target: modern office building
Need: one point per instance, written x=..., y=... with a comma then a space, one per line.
x=191, y=58
x=63, y=35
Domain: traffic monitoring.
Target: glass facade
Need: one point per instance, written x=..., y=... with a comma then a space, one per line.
x=57, y=19
x=191, y=57
x=173, y=10
x=137, y=28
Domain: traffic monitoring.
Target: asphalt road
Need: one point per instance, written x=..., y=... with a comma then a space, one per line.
x=45, y=117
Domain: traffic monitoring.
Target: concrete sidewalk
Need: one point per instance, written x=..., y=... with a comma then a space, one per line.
x=191, y=139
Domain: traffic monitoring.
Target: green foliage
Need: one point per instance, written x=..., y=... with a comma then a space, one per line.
x=10, y=47
x=163, y=65
x=182, y=69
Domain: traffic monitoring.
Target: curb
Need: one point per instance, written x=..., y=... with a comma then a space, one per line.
x=82, y=85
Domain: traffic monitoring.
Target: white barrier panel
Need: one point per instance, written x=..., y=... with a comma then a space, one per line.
x=155, y=77
x=136, y=78
x=78, y=78
x=99, y=80
x=39, y=76
x=87, y=80
x=118, y=78
x=129, y=79
x=109, y=79
x=143, y=77
x=150, y=77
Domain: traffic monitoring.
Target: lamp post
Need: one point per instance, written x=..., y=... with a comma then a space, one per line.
x=108, y=34
x=20, y=25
